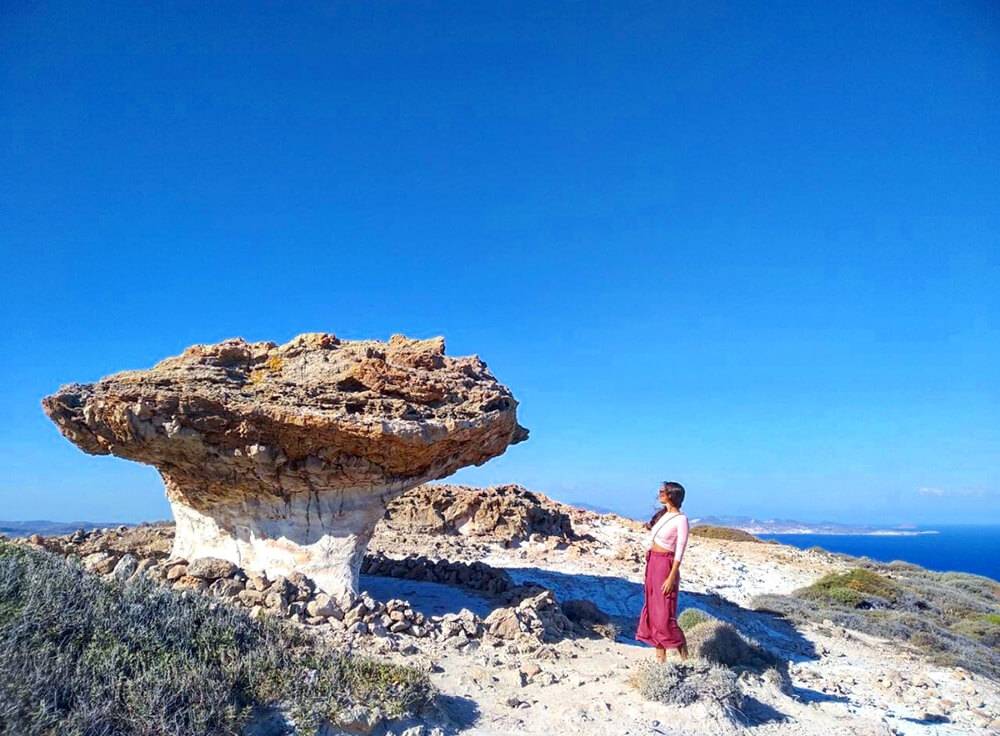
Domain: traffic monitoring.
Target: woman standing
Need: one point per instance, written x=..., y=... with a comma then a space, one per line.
x=668, y=534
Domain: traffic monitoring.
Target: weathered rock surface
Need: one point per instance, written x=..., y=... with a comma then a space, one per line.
x=506, y=513
x=282, y=458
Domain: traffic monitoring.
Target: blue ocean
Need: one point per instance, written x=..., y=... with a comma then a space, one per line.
x=965, y=548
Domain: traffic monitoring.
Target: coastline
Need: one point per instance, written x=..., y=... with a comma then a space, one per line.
x=873, y=533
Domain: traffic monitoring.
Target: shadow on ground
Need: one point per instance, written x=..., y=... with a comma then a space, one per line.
x=622, y=599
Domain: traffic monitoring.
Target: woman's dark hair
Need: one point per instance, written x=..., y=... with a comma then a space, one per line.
x=675, y=492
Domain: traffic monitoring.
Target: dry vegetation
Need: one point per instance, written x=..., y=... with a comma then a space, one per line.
x=683, y=683
x=954, y=618
x=81, y=655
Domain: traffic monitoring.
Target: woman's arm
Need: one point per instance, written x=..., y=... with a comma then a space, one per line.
x=682, y=540
x=682, y=537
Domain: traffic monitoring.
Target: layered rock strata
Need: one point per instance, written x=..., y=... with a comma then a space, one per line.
x=283, y=458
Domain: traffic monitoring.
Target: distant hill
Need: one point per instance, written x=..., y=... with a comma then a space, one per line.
x=50, y=528
x=592, y=507
x=789, y=526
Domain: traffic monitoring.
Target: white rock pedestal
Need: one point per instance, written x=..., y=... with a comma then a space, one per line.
x=323, y=536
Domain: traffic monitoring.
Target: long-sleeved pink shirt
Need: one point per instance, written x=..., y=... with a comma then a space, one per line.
x=671, y=533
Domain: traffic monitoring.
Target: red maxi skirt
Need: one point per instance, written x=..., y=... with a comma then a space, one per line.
x=658, y=620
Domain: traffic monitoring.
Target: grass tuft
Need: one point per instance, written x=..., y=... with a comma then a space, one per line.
x=683, y=683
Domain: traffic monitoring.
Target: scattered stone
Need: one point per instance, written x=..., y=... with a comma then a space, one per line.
x=189, y=582
x=324, y=606
x=126, y=567
x=359, y=720
x=211, y=568
x=177, y=572
x=530, y=670
x=226, y=588
x=99, y=562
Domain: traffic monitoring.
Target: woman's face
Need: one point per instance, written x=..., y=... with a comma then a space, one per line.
x=663, y=496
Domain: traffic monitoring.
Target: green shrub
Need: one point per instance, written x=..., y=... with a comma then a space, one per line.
x=691, y=617
x=82, y=656
x=856, y=588
x=709, y=531
x=983, y=628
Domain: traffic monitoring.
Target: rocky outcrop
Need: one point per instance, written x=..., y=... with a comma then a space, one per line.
x=283, y=458
x=523, y=613
x=506, y=513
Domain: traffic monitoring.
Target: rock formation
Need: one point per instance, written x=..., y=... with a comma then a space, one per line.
x=282, y=458
x=505, y=513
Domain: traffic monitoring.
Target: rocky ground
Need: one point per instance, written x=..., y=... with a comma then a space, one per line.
x=522, y=610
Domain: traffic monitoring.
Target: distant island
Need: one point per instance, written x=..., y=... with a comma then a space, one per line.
x=789, y=526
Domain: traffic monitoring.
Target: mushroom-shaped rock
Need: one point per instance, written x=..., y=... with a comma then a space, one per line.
x=282, y=458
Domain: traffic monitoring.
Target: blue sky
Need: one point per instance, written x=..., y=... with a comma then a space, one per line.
x=753, y=249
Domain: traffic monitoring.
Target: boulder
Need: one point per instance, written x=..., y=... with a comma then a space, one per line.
x=211, y=568
x=126, y=567
x=323, y=606
x=99, y=562
x=282, y=458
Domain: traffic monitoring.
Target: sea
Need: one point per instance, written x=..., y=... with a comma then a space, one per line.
x=961, y=548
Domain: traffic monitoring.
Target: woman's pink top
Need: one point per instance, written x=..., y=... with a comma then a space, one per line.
x=671, y=533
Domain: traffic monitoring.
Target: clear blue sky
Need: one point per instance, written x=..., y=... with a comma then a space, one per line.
x=754, y=247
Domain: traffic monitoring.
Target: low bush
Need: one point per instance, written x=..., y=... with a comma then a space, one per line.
x=719, y=643
x=984, y=629
x=709, y=531
x=683, y=683
x=86, y=657
x=691, y=617
x=858, y=588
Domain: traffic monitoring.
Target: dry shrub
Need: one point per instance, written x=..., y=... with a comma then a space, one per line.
x=83, y=656
x=683, y=683
x=720, y=643
x=951, y=617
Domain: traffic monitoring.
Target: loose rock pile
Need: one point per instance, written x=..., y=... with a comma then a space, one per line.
x=475, y=575
x=537, y=615
x=527, y=612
